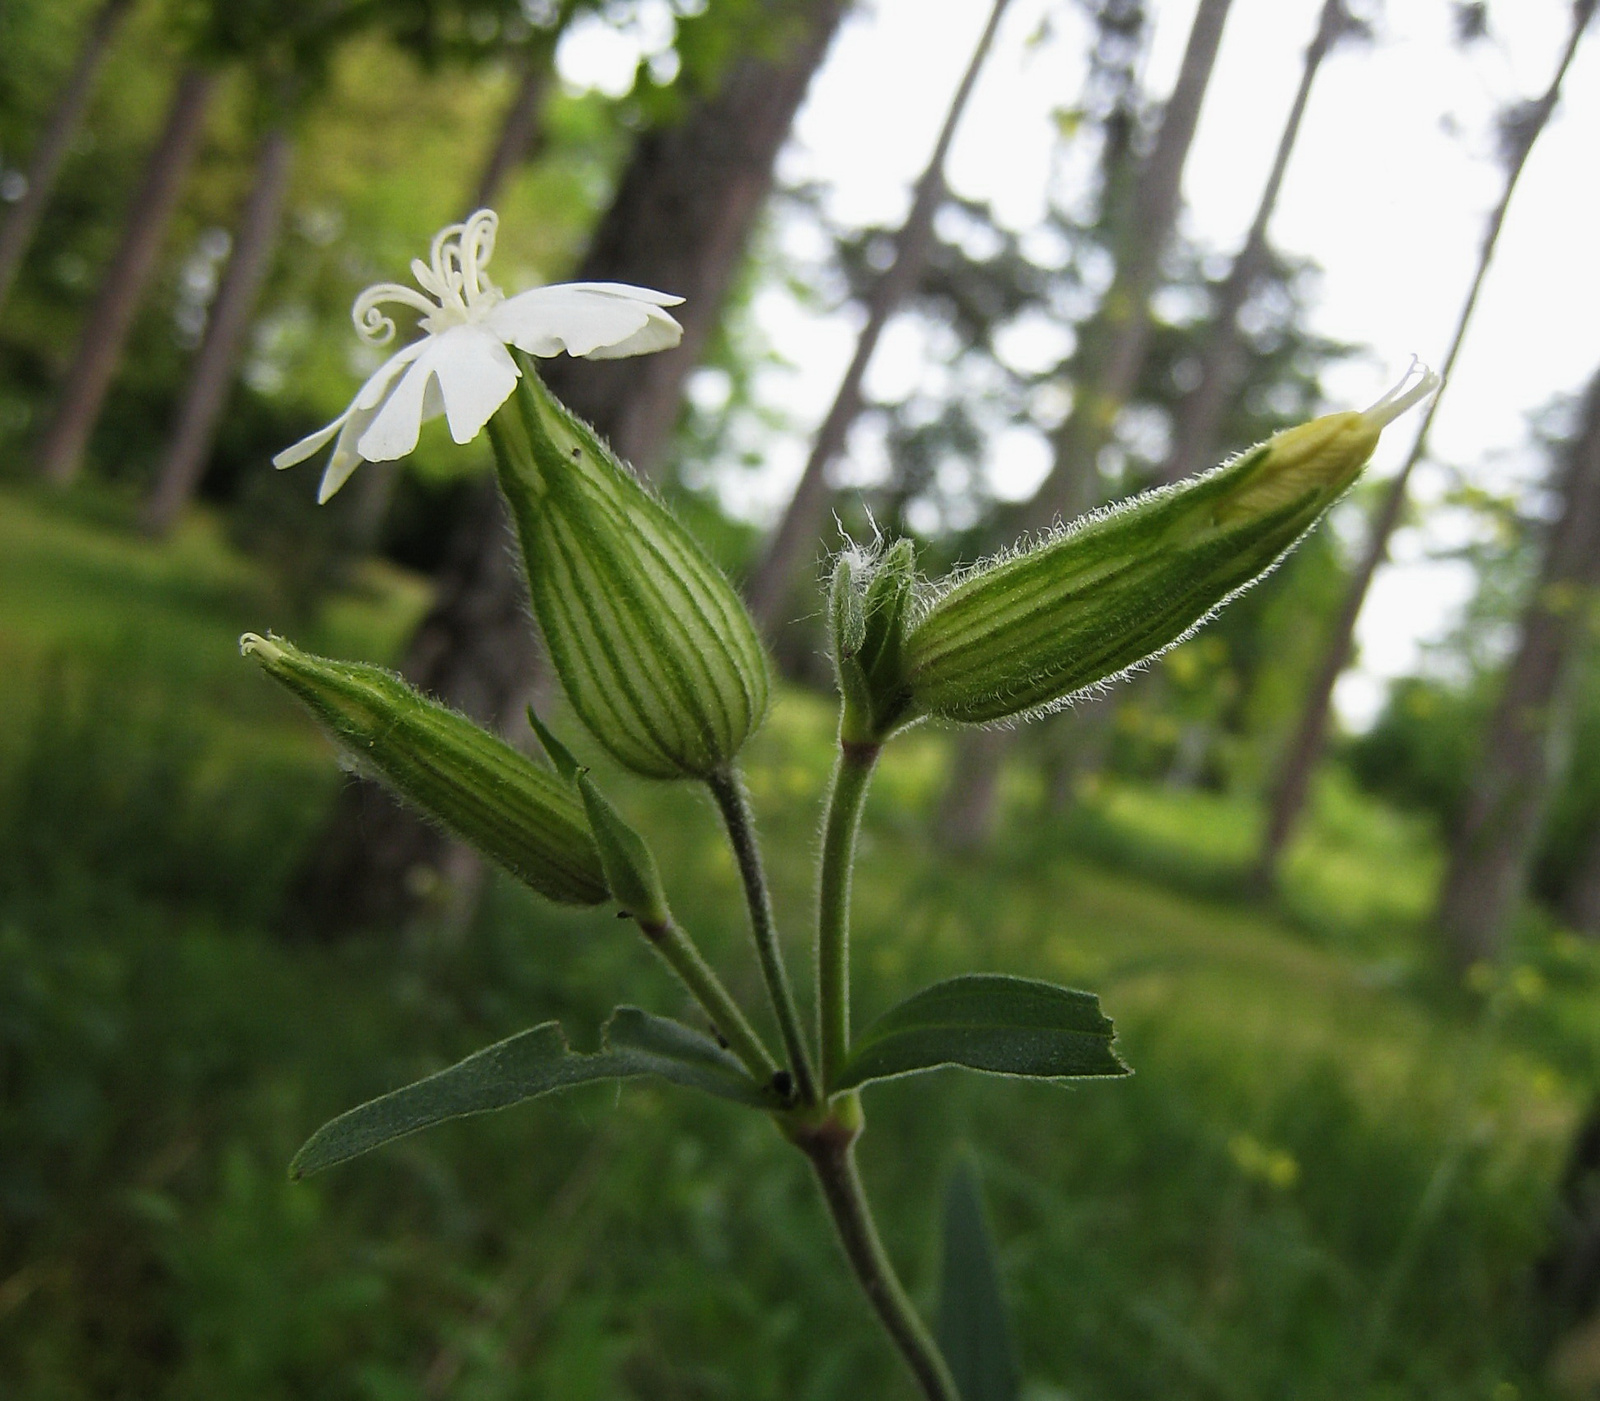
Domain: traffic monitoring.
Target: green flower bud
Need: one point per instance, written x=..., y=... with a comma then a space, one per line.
x=474, y=785
x=1028, y=632
x=655, y=649
x=869, y=604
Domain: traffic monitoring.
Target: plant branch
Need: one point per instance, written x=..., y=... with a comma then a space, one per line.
x=727, y=787
x=685, y=959
x=831, y=1149
x=847, y=794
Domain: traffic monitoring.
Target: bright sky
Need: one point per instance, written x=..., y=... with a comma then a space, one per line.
x=1391, y=180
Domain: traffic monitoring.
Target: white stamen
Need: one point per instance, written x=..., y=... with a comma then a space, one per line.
x=252, y=642
x=1402, y=397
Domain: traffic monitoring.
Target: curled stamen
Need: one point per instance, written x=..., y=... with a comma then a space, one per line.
x=436, y=251
x=477, y=247
x=1402, y=397
x=371, y=324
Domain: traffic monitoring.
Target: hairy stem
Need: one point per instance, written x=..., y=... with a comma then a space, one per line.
x=685, y=959
x=831, y=1149
x=851, y=775
x=727, y=787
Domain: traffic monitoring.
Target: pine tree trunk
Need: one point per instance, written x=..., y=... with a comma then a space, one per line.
x=1490, y=851
x=1115, y=341
x=16, y=232
x=800, y=528
x=680, y=220
x=1582, y=903
x=1199, y=417
x=110, y=319
x=1112, y=352
x=1291, y=782
x=519, y=129
x=216, y=363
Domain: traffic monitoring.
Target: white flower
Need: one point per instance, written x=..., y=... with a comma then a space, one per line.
x=461, y=367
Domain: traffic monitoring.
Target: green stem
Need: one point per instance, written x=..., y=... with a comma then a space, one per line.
x=686, y=960
x=831, y=1149
x=727, y=787
x=851, y=775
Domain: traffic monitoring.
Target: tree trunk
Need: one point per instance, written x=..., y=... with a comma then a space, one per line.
x=1286, y=794
x=1115, y=340
x=1221, y=358
x=16, y=232
x=1490, y=851
x=217, y=362
x=110, y=319
x=1582, y=904
x=1111, y=351
x=801, y=526
x=680, y=220
x=519, y=130
x=971, y=793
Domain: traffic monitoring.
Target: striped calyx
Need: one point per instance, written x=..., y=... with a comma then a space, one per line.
x=478, y=787
x=654, y=648
x=1028, y=632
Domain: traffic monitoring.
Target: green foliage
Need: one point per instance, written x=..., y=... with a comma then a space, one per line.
x=522, y=1067
x=973, y=1329
x=1230, y=1212
x=989, y=1022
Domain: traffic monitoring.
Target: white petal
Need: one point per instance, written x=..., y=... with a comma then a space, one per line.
x=548, y=320
x=398, y=423
x=306, y=446
x=476, y=376
x=377, y=384
x=345, y=457
x=659, y=332
x=624, y=289
x=367, y=397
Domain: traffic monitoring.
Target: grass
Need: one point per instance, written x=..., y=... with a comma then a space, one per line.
x=1329, y=1177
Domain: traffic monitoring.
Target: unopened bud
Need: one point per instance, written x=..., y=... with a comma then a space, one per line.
x=869, y=604
x=654, y=648
x=1030, y=631
x=474, y=785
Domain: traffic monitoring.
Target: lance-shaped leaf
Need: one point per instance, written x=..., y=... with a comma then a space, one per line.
x=973, y=1329
x=522, y=1067
x=989, y=1022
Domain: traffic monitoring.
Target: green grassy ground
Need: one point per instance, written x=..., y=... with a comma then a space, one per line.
x=1329, y=1177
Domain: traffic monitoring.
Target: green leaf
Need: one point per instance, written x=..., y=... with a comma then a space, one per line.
x=625, y=858
x=532, y=1063
x=973, y=1331
x=987, y=1021
x=560, y=756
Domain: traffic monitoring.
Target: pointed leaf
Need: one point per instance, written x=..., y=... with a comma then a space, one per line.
x=990, y=1022
x=973, y=1331
x=532, y=1063
x=560, y=756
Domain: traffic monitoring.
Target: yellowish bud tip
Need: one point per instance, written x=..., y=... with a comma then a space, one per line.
x=1404, y=394
x=1329, y=452
x=252, y=644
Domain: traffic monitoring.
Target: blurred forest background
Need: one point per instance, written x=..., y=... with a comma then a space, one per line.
x=1356, y=971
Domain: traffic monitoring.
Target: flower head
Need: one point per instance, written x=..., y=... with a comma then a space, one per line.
x=461, y=368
